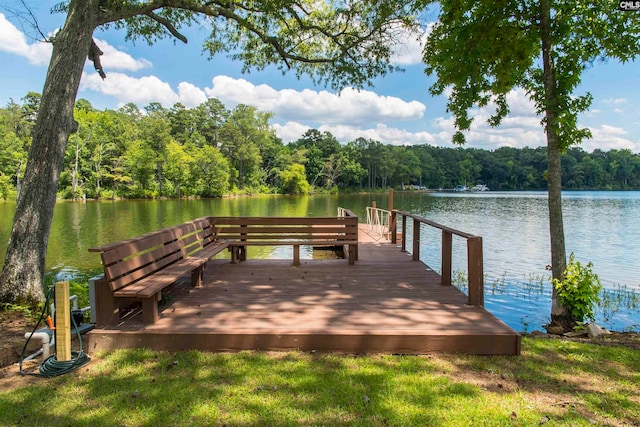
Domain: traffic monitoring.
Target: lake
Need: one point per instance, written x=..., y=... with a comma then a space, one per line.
x=601, y=227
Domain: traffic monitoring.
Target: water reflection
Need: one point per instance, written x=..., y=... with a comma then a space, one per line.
x=602, y=227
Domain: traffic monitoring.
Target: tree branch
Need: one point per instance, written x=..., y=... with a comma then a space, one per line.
x=168, y=25
x=94, y=56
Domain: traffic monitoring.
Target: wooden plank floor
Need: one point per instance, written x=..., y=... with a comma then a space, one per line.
x=385, y=303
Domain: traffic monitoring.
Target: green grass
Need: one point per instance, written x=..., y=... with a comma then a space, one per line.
x=554, y=382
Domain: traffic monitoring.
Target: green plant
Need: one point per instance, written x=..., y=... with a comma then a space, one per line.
x=22, y=309
x=579, y=290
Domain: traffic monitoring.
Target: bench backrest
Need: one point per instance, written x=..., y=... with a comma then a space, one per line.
x=266, y=229
x=130, y=260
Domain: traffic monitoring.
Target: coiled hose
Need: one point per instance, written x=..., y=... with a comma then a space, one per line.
x=52, y=367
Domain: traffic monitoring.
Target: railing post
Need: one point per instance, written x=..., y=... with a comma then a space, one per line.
x=392, y=221
x=416, y=240
x=393, y=226
x=403, y=248
x=476, y=273
x=447, y=250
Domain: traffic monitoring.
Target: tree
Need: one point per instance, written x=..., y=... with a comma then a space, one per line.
x=210, y=169
x=337, y=44
x=481, y=50
x=294, y=180
x=178, y=164
x=318, y=147
x=241, y=136
x=14, y=140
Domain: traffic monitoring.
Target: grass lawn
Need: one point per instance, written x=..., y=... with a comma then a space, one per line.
x=554, y=382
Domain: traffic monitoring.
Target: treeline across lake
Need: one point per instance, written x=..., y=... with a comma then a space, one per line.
x=210, y=151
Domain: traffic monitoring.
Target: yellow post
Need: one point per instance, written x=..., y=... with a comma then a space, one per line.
x=63, y=322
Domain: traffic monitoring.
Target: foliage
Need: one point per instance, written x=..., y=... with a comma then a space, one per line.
x=31, y=312
x=504, y=40
x=294, y=181
x=112, y=155
x=334, y=43
x=579, y=289
x=296, y=388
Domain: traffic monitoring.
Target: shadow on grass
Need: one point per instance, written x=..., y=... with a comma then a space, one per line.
x=139, y=387
x=143, y=388
x=586, y=378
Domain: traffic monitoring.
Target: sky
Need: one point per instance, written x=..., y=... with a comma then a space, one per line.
x=397, y=109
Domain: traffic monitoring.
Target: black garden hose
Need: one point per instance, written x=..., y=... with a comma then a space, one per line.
x=52, y=367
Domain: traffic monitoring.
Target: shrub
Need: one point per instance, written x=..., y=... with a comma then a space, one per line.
x=579, y=290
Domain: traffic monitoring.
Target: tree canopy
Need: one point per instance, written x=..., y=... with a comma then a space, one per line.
x=115, y=154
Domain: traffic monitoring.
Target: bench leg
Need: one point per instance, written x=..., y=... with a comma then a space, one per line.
x=107, y=310
x=352, y=254
x=150, y=310
x=238, y=253
x=296, y=254
x=196, y=277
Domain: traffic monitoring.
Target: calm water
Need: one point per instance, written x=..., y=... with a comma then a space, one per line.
x=601, y=227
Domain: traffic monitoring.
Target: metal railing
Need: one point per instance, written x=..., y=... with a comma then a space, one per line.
x=378, y=221
x=475, y=274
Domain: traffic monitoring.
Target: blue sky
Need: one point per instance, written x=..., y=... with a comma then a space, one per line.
x=396, y=110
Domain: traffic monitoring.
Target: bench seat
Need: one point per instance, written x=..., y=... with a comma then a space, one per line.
x=242, y=232
x=139, y=269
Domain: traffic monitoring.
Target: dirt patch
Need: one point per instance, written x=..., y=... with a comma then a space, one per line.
x=624, y=339
x=13, y=326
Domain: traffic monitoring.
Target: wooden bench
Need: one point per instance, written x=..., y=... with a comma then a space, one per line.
x=241, y=232
x=139, y=269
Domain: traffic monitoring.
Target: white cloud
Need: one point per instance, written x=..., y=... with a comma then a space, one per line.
x=610, y=138
x=14, y=41
x=322, y=107
x=130, y=89
x=409, y=49
x=292, y=131
x=382, y=133
x=521, y=128
x=113, y=59
x=616, y=101
x=191, y=95
x=142, y=90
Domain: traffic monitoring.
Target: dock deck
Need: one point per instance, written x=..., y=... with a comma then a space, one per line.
x=385, y=303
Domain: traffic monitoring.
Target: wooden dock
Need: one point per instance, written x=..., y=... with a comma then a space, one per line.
x=385, y=303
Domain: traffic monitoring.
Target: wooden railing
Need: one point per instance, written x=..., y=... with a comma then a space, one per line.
x=475, y=273
x=343, y=212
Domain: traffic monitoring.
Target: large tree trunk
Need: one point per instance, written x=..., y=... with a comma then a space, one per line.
x=22, y=276
x=559, y=314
